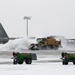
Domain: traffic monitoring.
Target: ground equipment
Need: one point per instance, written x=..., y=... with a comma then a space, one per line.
x=19, y=58
x=45, y=43
x=68, y=57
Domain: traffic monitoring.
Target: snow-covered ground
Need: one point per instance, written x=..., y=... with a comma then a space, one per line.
x=55, y=68
x=48, y=63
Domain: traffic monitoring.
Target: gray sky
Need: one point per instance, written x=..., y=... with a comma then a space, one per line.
x=49, y=17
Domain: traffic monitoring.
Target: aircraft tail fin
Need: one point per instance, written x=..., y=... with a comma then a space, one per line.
x=3, y=35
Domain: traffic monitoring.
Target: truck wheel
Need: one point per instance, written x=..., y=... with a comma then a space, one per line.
x=74, y=62
x=28, y=61
x=44, y=47
x=14, y=61
x=20, y=62
x=65, y=62
x=50, y=47
x=55, y=47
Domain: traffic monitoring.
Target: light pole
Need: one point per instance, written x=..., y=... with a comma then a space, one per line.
x=27, y=18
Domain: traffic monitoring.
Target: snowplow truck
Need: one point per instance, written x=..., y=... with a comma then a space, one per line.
x=68, y=57
x=45, y=43
x=19, y=58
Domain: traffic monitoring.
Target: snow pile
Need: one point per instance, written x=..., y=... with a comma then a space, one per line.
x=68, y=45
x=38, y=69
x=17, y=44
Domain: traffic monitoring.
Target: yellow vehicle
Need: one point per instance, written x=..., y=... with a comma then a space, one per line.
x=46, y=43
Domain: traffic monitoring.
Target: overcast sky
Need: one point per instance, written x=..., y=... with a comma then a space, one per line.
x=49, y=17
